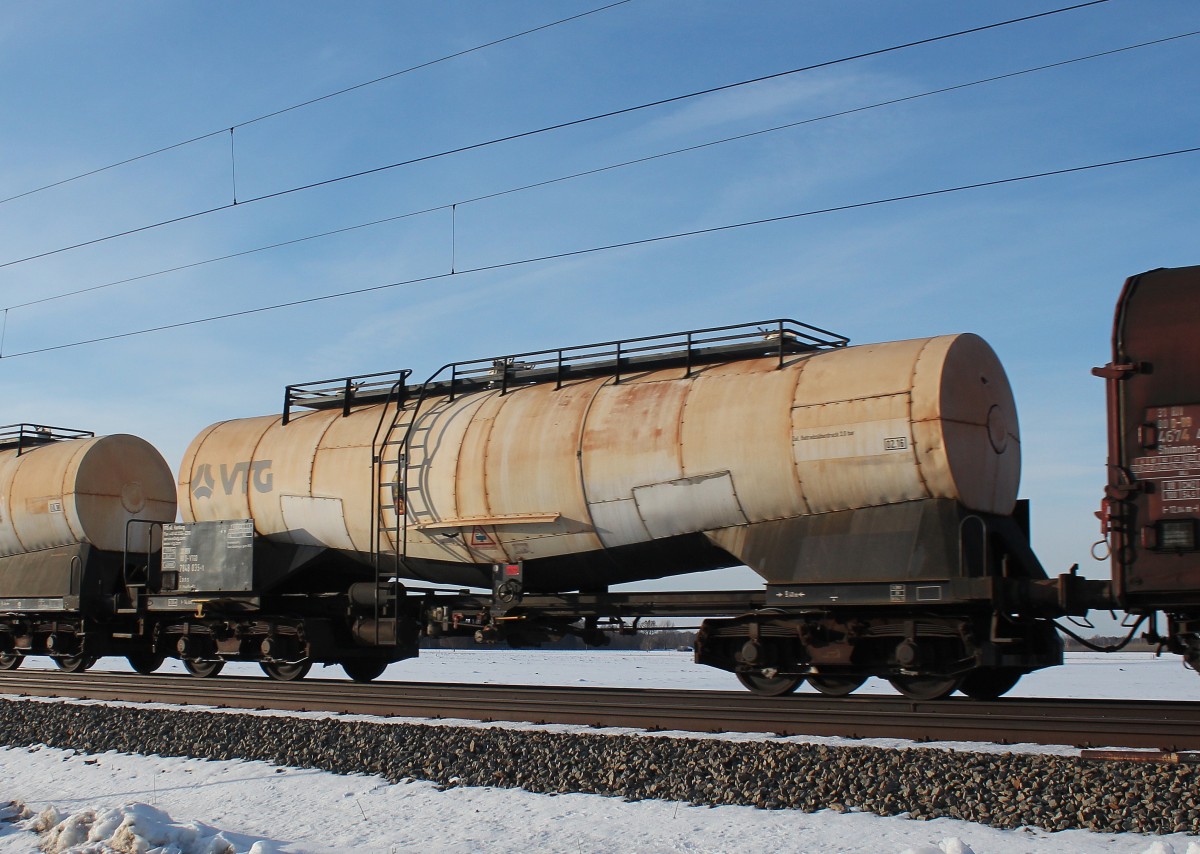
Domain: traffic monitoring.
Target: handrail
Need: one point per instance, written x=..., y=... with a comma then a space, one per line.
x=779, y=336
x=25, y=436
x=341, y=392
x=151, y=525
x=767, y=338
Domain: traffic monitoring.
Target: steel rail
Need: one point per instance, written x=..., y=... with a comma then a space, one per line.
x=1161, y=725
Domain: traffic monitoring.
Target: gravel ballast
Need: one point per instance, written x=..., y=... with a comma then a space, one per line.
x=1002, y=790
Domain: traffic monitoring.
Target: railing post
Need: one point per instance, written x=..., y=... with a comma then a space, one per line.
x=402, y=390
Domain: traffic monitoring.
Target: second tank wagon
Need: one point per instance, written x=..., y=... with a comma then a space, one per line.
x=583, y=479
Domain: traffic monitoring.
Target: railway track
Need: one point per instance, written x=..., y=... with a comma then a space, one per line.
x=1161, y=725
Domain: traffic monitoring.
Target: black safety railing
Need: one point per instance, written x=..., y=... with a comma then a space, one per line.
x=688, y=350
x=344, y=392
x=26, y=436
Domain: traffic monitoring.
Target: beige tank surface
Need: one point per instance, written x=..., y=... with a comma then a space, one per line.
x=542, y=471
x=82, y=491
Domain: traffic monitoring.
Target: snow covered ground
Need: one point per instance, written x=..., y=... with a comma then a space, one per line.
x=115, y=802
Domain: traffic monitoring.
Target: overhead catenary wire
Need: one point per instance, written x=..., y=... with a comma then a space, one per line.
x=574, y=253
x=600, y=169
x=318, y=99
x=554, y=127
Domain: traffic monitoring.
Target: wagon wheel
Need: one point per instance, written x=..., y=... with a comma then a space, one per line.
x=925, y=687
x=10, y=660
x=75, y=663
x=200, y=668
x=770, y=686
x=836, y=685
x=989, y=683
x=286, y=671
x=145, y=662
x=364, y=669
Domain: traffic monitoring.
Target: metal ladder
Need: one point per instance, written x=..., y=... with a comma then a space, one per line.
x=387, y=472
x=400, y=457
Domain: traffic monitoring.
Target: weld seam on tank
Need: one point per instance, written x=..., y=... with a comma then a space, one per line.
x=802, y=365
x=250, y=498
x=71, y=507
x=584, y=429
x=484, y=399
x=496, y=400
x=916, y=451
x=188, y=466
x=8, y=505
x=319, y=446
x=682, y=423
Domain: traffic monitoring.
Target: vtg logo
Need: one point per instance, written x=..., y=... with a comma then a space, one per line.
x=204, y=484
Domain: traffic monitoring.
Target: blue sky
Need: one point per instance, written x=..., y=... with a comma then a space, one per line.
x=1033, y=267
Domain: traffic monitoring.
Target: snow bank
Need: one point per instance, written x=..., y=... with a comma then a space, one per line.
x=139, y=828
x=126, y=829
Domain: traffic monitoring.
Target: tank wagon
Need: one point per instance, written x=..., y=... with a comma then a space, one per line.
x=873, y=488
x=882, y=475
x=77, y=537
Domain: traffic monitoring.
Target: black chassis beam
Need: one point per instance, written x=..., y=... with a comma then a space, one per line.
x=1026, y=597
x=571, y=606
x=924, y=593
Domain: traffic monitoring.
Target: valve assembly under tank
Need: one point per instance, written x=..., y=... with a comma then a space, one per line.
x=605, y=479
